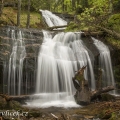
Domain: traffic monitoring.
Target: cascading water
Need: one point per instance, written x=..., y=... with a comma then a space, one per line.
x=59, y=57
x=105, y=63
x=52, y=19
x=15, y=67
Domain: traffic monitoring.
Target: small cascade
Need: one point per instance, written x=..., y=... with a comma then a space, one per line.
x=105, y=63
x=51, y=19
x=15, y=67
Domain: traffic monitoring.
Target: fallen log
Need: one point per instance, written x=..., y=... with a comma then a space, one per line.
x=89, y=33
x=7, y=97
x=56, y=27
x=83, y=33
x=96, y=93
x=111, y=32
x=21, y=98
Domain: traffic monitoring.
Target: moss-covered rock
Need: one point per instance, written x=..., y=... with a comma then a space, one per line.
x=107, y=97
x=115, y=116
x=35, y=114
x=14, y=105
x=3, y=103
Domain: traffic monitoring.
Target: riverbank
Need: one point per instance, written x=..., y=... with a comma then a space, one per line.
x=107, y=110
x=102, y=110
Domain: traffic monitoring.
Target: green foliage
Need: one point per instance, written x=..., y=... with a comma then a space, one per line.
x=114, y=42
x=115, y=116
x=116, y=5
x=98, y=9
x=38, y=4
x=79, y=9
x=88, y=12
x=97, y=12
x=9, y=17
x=114, y=22
x=72, y=27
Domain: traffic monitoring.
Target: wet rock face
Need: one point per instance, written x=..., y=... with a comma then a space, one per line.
x=32, y=40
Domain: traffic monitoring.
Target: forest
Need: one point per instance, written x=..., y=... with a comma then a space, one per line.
x=21, y=78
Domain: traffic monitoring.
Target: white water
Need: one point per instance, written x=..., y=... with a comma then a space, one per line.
x=15, y=68
x=45, y=100
x=51, y=19
x=58, y=59
x=105, y=63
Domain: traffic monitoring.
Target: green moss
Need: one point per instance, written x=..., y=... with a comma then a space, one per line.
x=107, y=97
x=9, y=17
x=14, y=105
x=114, y=42
x=104, y=114
x=115, y=116
x=3, y=103
x=34, y=114
x=34, y=19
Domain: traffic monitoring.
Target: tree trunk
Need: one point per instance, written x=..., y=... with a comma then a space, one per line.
x=84, y=3
x=78, y=3
x=73, y=5
x=96, y=93
x=28, y=15
x=18, y=14
x=83, y=94
x=110, y=6
x=1, y=7
x=55, y=27
x=113, y=33
x=63, y=6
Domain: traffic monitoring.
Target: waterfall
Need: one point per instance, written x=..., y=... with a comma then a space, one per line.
x=105, y=63
x=15, y=67
x=59, y=57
